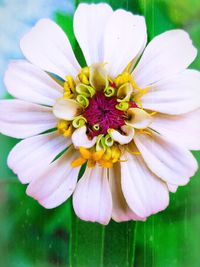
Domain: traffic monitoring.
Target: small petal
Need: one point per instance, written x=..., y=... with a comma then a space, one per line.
x=167, y=160
x=145, y=193
x=98, y=76
x=178, y=94
x=21, y=119
x=47, y=47
x=169, y=53
x=182, y=129
x=121, y=212
x=124, y=92
x=56, y=184
x=172, y=188
x=124, y=37
x=80, y=138
x=92, y=200
x=122, y=138
x=27, y=82
x=32, y=155
x=138, y=118
x=66, y=109
x=89, y=26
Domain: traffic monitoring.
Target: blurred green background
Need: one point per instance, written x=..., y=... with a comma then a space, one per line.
x=32, y=236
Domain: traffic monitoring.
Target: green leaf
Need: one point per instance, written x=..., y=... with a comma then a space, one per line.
x=171, y=238
x=6, y=145
x=66, y=23
x=92, y=244
x=119, y=244
x=156, y=17
x=125, y=4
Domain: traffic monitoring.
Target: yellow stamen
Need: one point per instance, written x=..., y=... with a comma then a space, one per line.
x=124, y=160
x=84, y=75
x=153, y=113
x=68, y=95
x=78, y=162
x=146, y=131
x=71, y=83
x=69, y=87
x=133, y=149
x=128, y=67
x=105, y=163
x=68, y=132
x=97, y=155
x=65, y=128
x=108, y=154
x=116, y=154
x=122, y=79
x=91, y=163
x=85, y=153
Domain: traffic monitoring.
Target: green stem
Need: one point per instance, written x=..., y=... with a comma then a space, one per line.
x=92, y=244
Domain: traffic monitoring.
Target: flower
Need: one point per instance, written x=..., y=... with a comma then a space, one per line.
x=131, y=115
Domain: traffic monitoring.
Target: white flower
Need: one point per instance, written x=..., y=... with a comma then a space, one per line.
x=133, y=124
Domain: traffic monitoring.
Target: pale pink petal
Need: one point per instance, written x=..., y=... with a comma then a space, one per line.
x=92, y=200
x=172, y=188
x=89, y=26
x=170, y=162
x=175, y=95
x=124, y=38
x=62, y=192
x=182, y=129
x=47, y=47
x=21, y=119
x=27, y=82
x=56, y=183
x=168, y=53
x=80, y=138
x=144, y=192
x=121, y=212
x=32, y=155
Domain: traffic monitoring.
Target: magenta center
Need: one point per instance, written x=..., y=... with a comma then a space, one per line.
x=102, y=111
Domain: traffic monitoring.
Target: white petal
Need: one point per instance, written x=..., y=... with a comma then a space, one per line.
x=27, y=82
x=56, y=183
x=80, y=138
x=145, y=193
x=167, y=54
x=121, y=212
x=178, y=94
x=89, y=25
x=172, y=188
x=122, y=138
x=92, y=200
x=47, y=47
x=183, y=129
x=125, y=35
x=32, y=155
x=167, y=160
x=139, y=118
x=66, y=109
x=21, y=119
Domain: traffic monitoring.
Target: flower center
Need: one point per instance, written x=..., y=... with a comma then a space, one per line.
x=102, y=114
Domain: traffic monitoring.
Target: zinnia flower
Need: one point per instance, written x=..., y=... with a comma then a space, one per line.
x=130, y=116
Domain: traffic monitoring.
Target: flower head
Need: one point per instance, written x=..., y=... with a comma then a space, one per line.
x=132, y=122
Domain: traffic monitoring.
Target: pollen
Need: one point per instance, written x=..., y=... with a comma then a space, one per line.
x=65, y=128
x=84, y=76
x=69, y=87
